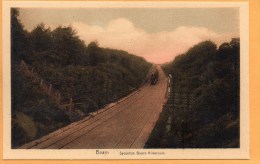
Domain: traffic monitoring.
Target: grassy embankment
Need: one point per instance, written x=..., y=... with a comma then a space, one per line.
x=207, y=79
x=91, y=75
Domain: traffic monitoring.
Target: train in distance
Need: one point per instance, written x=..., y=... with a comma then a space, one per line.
x=154, y=77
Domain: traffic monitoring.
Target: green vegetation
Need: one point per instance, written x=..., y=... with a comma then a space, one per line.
x=33, y=113
x=209, y=76
x=90, y=75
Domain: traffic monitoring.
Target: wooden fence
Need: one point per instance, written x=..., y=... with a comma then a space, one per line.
x=67, y=104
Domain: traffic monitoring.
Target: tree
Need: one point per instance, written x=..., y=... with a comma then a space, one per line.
x=19, y=39
x=212, y=75
x=41, y=38
x=94, y=51
x=67, y=45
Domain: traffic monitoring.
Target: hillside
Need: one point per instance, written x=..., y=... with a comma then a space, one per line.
x=88, y=75
x=203, y=108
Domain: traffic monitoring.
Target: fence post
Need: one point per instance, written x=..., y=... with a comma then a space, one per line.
x=50, y=89
x=70, y=104
x=188, y=101
x=167, y=89
x=59, y=99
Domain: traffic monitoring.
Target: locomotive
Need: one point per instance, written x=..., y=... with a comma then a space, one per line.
x=154, y=76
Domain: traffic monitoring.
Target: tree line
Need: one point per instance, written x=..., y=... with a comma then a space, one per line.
x=92, y=75
x=211, y=75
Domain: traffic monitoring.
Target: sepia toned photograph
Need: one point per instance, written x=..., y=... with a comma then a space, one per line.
x=132, y=80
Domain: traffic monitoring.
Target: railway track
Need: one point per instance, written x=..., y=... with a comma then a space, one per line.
x=125, y=125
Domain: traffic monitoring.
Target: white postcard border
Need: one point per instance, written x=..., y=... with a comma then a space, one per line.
x=239, y=153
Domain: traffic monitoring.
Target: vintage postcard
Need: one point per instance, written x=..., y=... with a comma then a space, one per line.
x=125, y=80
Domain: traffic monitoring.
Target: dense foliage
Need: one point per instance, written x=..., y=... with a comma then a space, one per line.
x=209, y=76
x=89, y=74
x=33, y=113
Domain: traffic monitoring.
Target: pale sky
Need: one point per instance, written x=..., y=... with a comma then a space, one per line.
x=156, y=34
